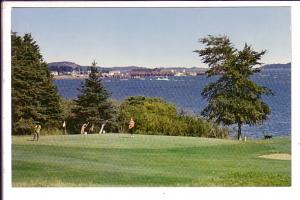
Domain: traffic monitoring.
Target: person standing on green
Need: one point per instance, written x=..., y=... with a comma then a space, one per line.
x=131, y=126
x=82, y=130
x=37, y=130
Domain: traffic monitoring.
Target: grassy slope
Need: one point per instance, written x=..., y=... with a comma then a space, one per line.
x=118, y=160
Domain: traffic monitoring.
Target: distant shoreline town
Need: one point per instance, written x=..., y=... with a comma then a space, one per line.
x=70, y=70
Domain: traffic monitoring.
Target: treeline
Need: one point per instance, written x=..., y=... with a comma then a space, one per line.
x=152, y=116
x=35, y=100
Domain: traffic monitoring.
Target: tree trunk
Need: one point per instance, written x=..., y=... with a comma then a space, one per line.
x=101, y=130
x=239, y=130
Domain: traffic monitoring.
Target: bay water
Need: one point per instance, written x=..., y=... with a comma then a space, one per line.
x=185, y=93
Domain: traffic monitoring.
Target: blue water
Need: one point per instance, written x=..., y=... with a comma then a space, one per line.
x=185, y=93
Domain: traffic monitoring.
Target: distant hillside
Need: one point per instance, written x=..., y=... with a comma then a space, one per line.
x=125, y=68
x=63, y=66
x=70, y=66
x=188, y=69
x=277, y=66
x=66, y=66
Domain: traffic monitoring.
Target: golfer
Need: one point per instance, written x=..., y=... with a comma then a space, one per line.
x=131, y=126
x=82, y=130
x=37, y=130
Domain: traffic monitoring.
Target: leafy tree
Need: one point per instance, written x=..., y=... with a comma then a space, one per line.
x=92, y=104
x=156, y=116
x=234, y=98
x=34, y=96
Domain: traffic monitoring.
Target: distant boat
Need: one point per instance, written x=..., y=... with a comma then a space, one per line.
x=139, y=77
x=163, y=79
x=180, y=74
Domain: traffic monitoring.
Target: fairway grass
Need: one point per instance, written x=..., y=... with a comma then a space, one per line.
x=145, y=160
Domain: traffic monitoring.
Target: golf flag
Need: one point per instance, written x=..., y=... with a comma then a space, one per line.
x=64, y=124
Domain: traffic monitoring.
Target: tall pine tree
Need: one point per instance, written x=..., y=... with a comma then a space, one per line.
x=34, y=96
x=93, y=105
x=234, y=98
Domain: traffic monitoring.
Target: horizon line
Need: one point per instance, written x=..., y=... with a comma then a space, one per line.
x=155, y=66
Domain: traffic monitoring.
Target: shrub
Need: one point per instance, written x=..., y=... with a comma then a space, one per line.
x=155, y=116
x=23, y=127
x=51, y=131
x=26, y=127
x=218, y=132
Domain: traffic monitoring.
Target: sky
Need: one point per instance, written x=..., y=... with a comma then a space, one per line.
x=151, y=37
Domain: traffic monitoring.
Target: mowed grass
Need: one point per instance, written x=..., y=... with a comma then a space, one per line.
x=144, y=160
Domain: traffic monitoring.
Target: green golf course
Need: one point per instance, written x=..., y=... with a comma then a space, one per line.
x=146, y=160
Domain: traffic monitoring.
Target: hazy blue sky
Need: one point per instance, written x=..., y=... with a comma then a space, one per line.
x=151, y=37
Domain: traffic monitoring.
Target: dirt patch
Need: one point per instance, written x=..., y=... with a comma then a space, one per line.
x=277, y=156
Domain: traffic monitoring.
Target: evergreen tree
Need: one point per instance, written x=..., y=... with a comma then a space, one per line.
x=92, y=104
x=234, y=98
x=34, y=96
